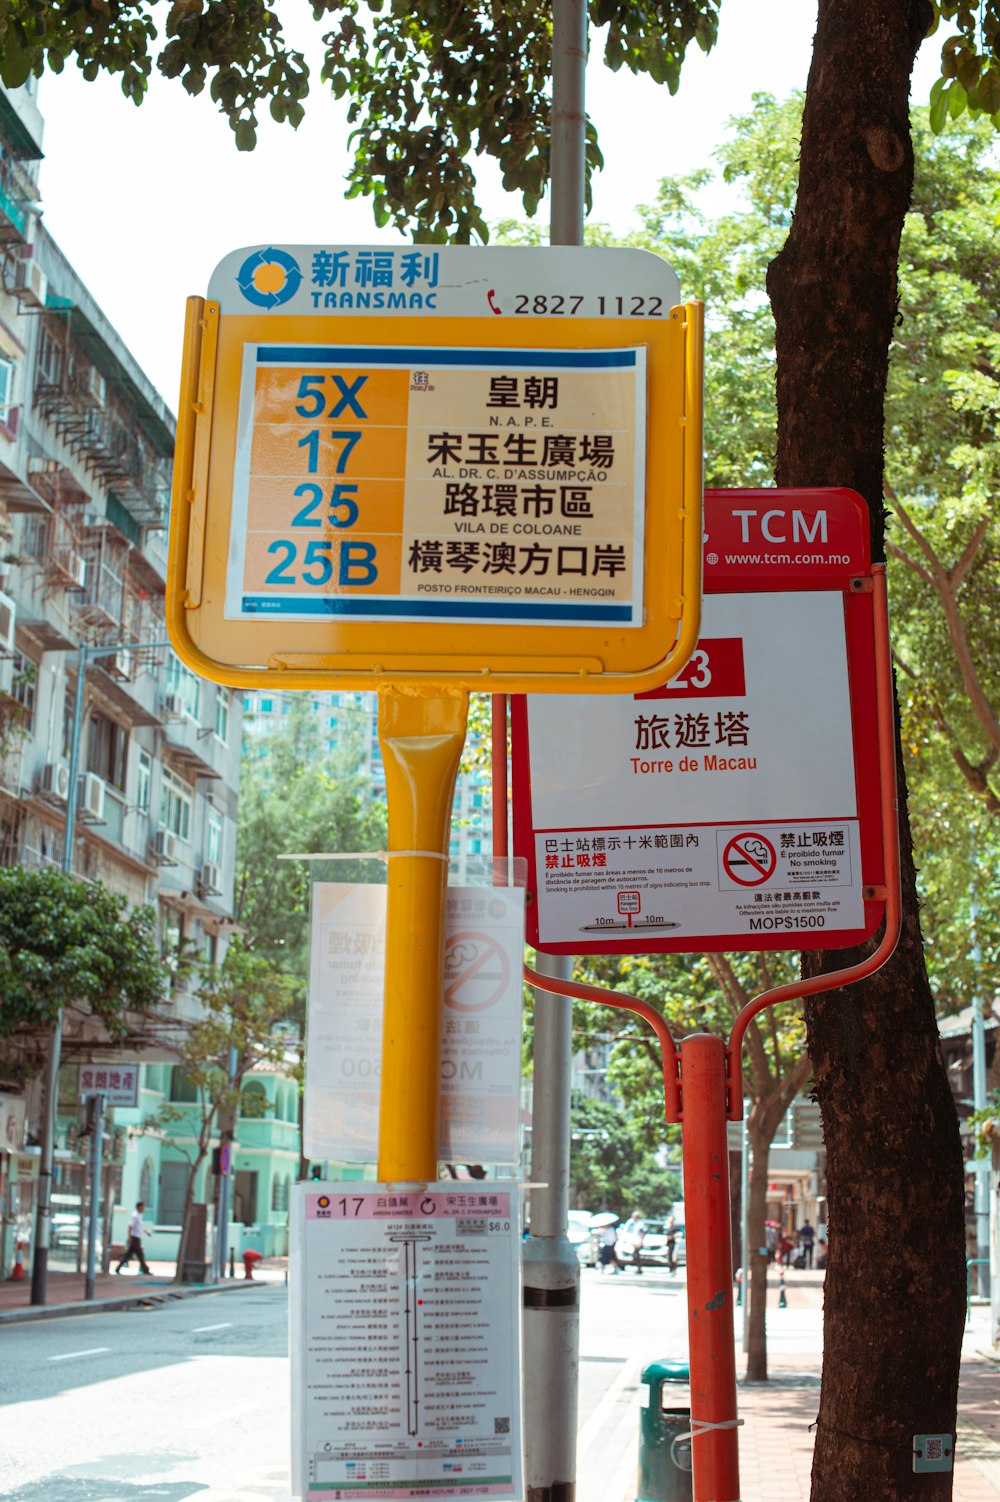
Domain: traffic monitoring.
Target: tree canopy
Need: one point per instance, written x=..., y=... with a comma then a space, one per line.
x=71, y=943
x=297, y=797
x=430, y=86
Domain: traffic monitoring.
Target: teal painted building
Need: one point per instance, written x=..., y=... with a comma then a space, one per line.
x=157, y=1159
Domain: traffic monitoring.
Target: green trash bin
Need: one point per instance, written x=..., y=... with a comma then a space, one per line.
x=664, y=1434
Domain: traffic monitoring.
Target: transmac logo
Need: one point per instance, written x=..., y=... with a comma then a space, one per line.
x=269, y=277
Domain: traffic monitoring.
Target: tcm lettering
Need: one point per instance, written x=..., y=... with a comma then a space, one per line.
x=802, y=529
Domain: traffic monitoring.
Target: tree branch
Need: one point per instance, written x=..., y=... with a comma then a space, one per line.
x=945, y=584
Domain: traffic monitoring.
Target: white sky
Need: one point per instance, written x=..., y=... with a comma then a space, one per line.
x=145, y=202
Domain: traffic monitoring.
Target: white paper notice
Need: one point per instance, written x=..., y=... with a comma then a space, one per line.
x=481, y=1032
x=405, y=1341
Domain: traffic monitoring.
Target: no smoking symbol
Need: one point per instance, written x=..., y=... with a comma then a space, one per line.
x=749, y=859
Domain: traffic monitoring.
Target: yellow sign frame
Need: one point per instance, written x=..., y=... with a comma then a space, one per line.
x=434, y=654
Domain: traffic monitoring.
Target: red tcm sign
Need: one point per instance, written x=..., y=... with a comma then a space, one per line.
x=739, y=803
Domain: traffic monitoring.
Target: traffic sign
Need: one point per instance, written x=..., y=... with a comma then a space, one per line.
x=436, y=466
x=749, y=859
x=740, y=801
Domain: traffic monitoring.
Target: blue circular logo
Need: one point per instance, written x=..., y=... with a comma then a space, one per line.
x=269, y=277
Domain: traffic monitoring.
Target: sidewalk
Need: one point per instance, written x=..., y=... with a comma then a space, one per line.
x=65, y=1290
x=776, y=1442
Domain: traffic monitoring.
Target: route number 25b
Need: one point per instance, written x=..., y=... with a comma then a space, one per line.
x=353, y=563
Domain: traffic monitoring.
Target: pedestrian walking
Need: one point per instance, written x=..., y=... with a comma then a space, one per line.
x=609, y=1259
x=630, y=1239
x=136, y=1231
x=671, y=1244
x=807, y=1238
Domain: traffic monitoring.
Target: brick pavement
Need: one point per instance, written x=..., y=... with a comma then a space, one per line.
x=65, y=1290
x=776, y=1443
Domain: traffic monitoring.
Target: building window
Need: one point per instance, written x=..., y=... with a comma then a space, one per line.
x=253, y=1100
x=107, y=748
x=279, y=1193
x=175, y=805
x=172, y=928
x=144, y=781
x=267, y=706
x=22, y=690
x=222, y=714
x=183, y=1090
x=213, y=836
x=182, y=682
x=50, y=360
x=7, y=368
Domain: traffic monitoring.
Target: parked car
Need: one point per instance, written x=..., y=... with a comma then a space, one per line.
x=653, y=1252
x=579, y=1233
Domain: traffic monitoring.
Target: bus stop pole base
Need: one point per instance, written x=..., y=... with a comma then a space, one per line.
x=715, y=1445
x=422, y=735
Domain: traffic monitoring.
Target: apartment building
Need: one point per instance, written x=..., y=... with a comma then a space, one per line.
x=87, y=679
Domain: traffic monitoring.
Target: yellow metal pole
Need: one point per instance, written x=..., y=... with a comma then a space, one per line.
x=422, y=735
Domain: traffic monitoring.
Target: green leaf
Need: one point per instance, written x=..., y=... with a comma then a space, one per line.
x=246, y=135
x=15, y=68
x=938, y=112
x=987, y=96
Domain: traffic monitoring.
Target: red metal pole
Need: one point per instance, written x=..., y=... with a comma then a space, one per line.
x=715, y=1445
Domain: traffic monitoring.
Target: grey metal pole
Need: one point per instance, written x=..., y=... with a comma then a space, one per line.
x=96, y=1159
x=569, y=120
x=551, y=1315
x=43, y=1202
x=222, y=1226
x=744, y=1227
x=551, y=1318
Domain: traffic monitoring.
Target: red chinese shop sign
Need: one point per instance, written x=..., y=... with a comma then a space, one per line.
x=738, y=806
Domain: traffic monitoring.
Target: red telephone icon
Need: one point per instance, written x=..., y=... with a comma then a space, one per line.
x=491, y=300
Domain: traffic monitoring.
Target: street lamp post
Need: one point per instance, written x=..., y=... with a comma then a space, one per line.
x=50, y=1108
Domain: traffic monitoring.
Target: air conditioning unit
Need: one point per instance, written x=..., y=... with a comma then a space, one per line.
x=8, y=618
x=211, y=880
x=120, y=666
x=173, y=706
x=29, y=283
x=165, y=847
x=55, y=781
x=92, y=797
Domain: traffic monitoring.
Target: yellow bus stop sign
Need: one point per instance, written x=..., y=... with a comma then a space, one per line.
x=438, y=466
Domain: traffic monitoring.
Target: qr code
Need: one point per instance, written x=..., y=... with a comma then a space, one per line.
x=935, y=1449
x=501, y=1426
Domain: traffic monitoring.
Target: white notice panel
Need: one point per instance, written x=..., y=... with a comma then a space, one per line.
x=405, y=1341
x=715, y=810
x=481, y=1029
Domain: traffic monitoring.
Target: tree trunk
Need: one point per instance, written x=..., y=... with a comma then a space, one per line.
x=895, y=1286
x=189, y=1189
